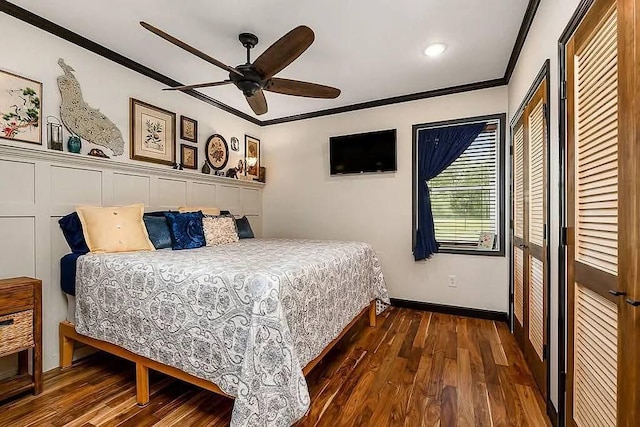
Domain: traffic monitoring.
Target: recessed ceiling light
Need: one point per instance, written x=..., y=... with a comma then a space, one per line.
x=435, y=49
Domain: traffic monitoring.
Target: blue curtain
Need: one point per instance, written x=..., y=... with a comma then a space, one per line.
x=437, y=149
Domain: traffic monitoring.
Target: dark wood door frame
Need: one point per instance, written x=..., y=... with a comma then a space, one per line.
x=543, y=75
x=566, y=35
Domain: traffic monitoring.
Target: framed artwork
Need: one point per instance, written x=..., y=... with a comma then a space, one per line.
x=217, y=152
x=188, y=129
x=20, y=108
x=153, y=133
x=252, y=156
x=189, y=156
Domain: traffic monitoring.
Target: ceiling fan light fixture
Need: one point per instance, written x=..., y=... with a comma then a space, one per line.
x=434, y=50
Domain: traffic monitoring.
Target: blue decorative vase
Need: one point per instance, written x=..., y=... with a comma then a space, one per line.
x=74, y=144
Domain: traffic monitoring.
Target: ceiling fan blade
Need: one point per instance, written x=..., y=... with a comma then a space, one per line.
x=284, y=51
x=211, y=84
x=298, y=88
x=188, y=48
x=258, y=102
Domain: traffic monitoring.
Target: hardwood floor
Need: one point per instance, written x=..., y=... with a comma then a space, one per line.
x=414, y=369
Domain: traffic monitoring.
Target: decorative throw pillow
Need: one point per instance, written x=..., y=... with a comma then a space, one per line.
x=219, y=230
x=204, y=210
x=72, y=231
x=114, y=229
x=158, y=230
x=244, y=228
x=186, y=229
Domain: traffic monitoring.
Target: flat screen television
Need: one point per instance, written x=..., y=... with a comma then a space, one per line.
x=364, y=152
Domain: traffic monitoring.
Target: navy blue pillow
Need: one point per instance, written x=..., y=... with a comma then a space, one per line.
x=72, y=230
x=158, y=230
x=244, y=228
x=186, y=229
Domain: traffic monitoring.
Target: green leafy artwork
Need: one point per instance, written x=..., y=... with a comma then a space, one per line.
x=23, y=114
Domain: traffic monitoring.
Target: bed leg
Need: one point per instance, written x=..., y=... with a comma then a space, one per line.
x=372, y=314
x=142, y=384
x=66, y=350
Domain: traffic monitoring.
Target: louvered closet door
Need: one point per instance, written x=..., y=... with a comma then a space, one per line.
x=519, y=241
x=592, y=210
x=536, y=220
x=529, y=236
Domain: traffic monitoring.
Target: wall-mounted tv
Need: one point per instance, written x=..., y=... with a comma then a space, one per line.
x=364, y=152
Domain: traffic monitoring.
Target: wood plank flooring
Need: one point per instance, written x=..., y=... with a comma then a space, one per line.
x=414, y=369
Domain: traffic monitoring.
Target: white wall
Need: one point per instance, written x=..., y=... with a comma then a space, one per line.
x=38, y=186
x=542, y=44
x=302, y=200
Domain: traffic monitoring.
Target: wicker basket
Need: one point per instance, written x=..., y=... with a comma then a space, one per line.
x=16, y=332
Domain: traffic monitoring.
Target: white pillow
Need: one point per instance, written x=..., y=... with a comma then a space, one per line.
x=219, y=230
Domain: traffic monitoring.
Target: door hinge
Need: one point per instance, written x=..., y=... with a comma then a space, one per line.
x=511, y=150
x=544, y=110
x=511, y=224
x=562, y=387
x=563, y=90
x=544, y=232
x=545, y=349
x=563, y=236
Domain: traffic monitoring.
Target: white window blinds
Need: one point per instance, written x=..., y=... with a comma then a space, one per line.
x=464, y=197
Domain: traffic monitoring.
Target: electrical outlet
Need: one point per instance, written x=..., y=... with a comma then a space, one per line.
x=452, y=281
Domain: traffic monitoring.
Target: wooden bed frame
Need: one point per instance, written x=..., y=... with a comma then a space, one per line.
x=69, y=336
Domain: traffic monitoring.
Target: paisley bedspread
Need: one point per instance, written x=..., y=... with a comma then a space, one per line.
x=247, y=316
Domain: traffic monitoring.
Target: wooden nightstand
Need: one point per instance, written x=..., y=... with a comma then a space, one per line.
x=21, y=332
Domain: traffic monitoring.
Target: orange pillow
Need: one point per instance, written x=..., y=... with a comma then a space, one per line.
x=114, y=229
x=204, y=210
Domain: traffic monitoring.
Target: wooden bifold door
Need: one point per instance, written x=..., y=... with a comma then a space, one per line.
x=529, y=234
x=603, y=383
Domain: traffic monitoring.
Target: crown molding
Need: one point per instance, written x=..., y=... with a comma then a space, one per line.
x=68, y=35
x=389, y=101
x=67, y=159
x=527, y=21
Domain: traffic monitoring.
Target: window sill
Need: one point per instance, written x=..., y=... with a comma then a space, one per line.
x=470, y=251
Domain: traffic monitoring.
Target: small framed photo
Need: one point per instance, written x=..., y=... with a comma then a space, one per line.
x=20, y=108
x=486, y=241
x=153, y=133
x=188, y=129
x=189, y=156
x=252, y=157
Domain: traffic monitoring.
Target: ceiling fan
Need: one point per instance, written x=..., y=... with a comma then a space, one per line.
x=253, y=78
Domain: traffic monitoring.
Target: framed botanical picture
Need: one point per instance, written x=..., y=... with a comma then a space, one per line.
x=189, y=156
x=20, y=108
x=217, y=152
x=188, y=129
x=153, y=133
x=252, y=156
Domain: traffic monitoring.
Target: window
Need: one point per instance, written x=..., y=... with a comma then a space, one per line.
x=467, y=198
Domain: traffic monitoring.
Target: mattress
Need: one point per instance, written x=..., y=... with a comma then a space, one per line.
x=247, y=316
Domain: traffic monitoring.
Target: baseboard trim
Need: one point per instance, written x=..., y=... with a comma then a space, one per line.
x=451, y=309
x=552, y=413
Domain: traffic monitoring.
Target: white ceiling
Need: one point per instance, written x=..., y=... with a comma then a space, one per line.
x=370, y=49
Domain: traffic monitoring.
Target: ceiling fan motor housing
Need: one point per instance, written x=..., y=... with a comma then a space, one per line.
x=250, y=82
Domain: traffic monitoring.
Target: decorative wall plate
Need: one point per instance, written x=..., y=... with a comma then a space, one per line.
x=217, y=152
x=235, y=144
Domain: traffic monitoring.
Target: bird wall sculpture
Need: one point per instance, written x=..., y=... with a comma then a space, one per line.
x=83, y=120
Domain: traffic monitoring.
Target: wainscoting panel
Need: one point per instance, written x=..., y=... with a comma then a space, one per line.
x=129, y=189
x=171, y=193
x=202, y=193
x=39, y=186
x=250, y=201
x=76, y=186
x=229, y=198
x=21, y=175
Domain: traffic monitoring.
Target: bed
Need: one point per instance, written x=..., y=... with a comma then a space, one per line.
x=246, y=319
